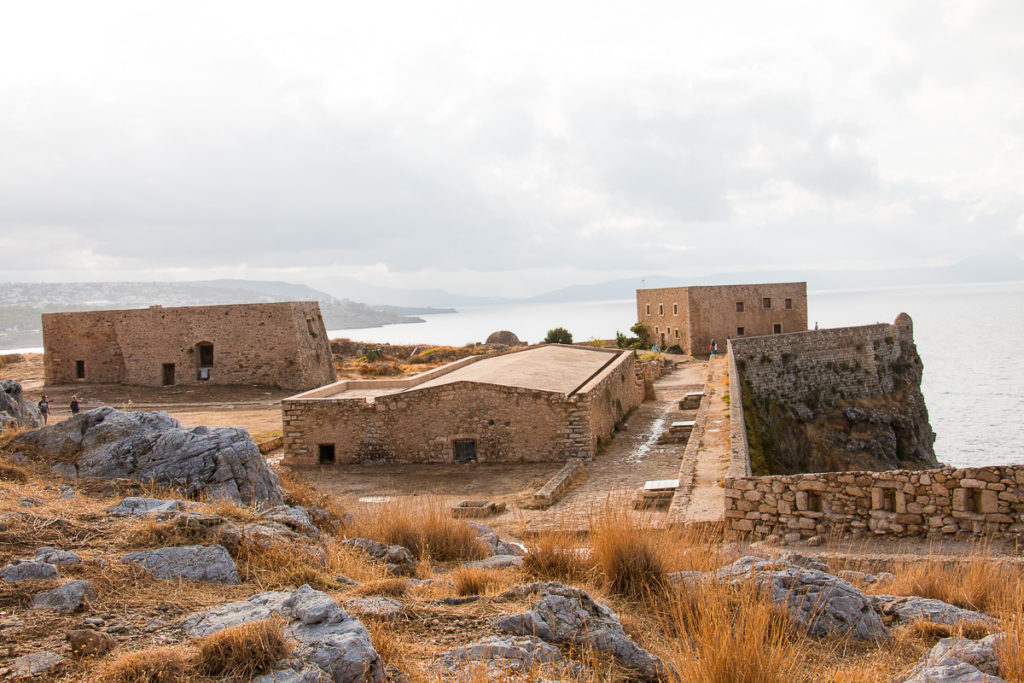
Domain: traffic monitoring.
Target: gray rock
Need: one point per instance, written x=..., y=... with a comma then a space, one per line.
x=296, y=518
x=30, y=502
x=800, y=560
x=14, y=409
x=378, y=607
x=64, y=469
x=503, y=653
x=494, y=543
x=309, y=674
x=392, y=554
x=21, y=570
x=211, y=564
x=959, y=660
x=105, y=443
x=135, y=506
x=569, y=615
x=496, y=562
x=35, y=664
x=58, y=558
x=879, y=579
x=65, y=598
x=822, y=603
x=326, y=635
x=906, y=609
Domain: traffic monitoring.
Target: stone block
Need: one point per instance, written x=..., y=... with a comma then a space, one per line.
x=811, y=485
x=968, y=483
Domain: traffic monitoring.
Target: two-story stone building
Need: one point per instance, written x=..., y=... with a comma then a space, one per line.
x=692, y=316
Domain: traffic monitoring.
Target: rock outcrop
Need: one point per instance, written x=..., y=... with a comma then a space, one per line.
x=211, y=564
x=330, y=643
x=904, y=609
x=106, y=443
x=503, y=338
x=65, y=598
x=959, y=660
x=14, y=409
x=499, y=655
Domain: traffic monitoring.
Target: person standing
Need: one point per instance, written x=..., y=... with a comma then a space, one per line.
x=74, y=406
x=714, y=349
x=44, y=408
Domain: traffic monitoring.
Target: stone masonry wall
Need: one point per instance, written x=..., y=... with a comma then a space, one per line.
x=421, y=425
x=280, y=344
x=935, y=503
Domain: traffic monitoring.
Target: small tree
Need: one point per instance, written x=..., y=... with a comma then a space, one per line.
x=621, y=340
x=558, y=335
x=640, y=330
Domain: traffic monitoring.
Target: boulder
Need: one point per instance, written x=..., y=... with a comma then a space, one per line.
x=500, y=654
x=14, y=409
x=496, y=562
x=58, y=558
x=66, y=598
x=86, y=642
x=105, y=443
x=503, y=338
x=136, y=506
x=325, y=635
x=20, y=570
x=958, y=660
x=295, y=518
x=35, y=664
x=820, y=602
x=905, y=609
x=569, y=615
x=392, y=554
x=211, y=564
x=308, y=674
x=494, y=543
x=879, y=579
x=378, y=607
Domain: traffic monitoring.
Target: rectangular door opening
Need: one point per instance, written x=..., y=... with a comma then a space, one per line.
x=168, y=374
x=325, y=453
x=79, y=369
x=464, y=450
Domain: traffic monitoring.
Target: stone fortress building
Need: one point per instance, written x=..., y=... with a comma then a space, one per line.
x=692, y=316
x=276, y=344
x=548, y=403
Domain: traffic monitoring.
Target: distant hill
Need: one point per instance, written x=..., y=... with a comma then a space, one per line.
x=22, y=303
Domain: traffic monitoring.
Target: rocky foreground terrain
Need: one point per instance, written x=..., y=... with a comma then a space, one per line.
x=121, y=562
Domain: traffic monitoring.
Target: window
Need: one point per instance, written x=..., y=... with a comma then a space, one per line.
x=464, y=450
x=789, y=304
x=205, y=354
x=661, y=309
x=675, y=309
x=813, y=502
x=655, y=330
x=325, y=453
x=677, y=333
x=883, y=499
x=777, y=328
x=972, y=502
x=739, y=331
x=79, y=369
x=648, y=309
x=739, y=306
x=766, y=303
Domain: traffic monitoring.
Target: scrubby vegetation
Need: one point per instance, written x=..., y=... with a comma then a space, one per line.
x=558, y=335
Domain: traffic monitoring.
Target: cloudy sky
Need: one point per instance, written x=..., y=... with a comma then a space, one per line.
x=505, y=148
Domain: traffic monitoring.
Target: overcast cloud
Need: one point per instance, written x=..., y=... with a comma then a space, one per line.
x=505, y=150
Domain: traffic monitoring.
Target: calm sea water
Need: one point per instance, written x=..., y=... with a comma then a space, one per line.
x=968, y=336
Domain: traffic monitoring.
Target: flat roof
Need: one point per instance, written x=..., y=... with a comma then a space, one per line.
x=560, y=369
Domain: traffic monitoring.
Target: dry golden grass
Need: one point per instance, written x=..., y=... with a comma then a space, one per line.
x=280, y=565
x=394, y=588
x=475, y=581
x=242, y=652
x=629, y=559
x=558, y=556
x=240, y=512
x=976, y=582
x=307, y=495
x=150, y=533
x=1010, y=650
x=159, y=665
x=12, y=473
x=425, y=526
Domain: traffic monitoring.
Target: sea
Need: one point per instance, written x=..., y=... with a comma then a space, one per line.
x=969, y=337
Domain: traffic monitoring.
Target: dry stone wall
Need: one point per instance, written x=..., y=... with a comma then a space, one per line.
x=278, y=344
x=931, y=503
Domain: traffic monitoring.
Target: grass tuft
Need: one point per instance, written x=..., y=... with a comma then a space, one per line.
x=425, y=526
x=629, y=558
x=158, y=665
x=242, y=652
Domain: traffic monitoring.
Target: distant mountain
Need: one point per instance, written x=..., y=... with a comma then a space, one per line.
x=378, y=295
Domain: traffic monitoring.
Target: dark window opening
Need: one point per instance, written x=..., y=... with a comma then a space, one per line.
x=648, y=309
x=205, y=354
x=325, y=453
x=675, y=309
x=79, y=369
x=677, y=333
x=813, y=502
x=766, y=303
x=168, y=370
x=739, y=306
x=464, y=450
x=789, y=304
x=776, y=328
x=973, y=500
x=887, y=501
x=739, y=331
x=661, y=309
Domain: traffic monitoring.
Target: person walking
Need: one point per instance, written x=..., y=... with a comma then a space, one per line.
x=44, y=408
x=74, y=406
x=714, y=349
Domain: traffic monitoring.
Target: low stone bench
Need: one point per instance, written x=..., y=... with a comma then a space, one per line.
x=552, y=491
x=691, y=401
x=477, y=508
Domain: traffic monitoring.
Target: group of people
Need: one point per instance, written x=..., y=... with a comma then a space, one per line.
x=44, y=407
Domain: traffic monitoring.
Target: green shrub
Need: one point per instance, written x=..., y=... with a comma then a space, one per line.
x=558, y=335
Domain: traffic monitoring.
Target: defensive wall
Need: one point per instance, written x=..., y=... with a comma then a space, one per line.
x=692, y=316
x=839, y=367
x=277, y=344
x=424, y=418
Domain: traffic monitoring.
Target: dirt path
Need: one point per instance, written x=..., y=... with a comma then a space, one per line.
x=707, y=498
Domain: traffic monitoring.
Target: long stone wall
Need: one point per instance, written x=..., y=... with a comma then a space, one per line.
x=280, y=344
x=931, y=503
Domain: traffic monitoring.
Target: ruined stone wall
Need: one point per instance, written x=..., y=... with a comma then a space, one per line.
x=936, y=502
x=830, y=400
x=280, y=344
x=693, y=316
x=610, y=398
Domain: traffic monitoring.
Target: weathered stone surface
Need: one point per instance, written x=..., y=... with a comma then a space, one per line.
x=822, y=603
x=14, y=409
x=136, y=506
x=503, y=338
x=392, y=554
x=958, y=660
x=21, y=570
x=35, y=664
x=499, y=654
x=376, y=606
x=805, y=561
x=65, y=598
x=494, y=543
x=327, y=636
x=211, y=564
x=58, y=558
x=879, y=579
x=296, y=518
x=106, y=443
x=308, y=674
x=570, y=615
x=89, y=643
x=906, y=609
x=496, y=562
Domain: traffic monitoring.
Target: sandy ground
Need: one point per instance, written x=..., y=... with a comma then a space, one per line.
x=707, y=499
